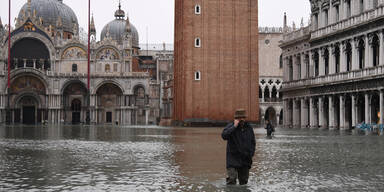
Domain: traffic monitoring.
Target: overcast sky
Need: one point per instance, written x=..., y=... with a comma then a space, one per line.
x=158, y=15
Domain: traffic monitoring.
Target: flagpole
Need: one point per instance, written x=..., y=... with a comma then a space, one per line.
x=88, y=73
x=8, y=115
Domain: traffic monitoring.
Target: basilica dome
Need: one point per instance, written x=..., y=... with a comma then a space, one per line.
x=50, y=11
x=116, y=29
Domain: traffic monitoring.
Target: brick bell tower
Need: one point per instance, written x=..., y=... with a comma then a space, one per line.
x=216, y=60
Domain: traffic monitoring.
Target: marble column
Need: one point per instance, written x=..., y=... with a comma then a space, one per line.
x=381, y=48
x=367, y=55
x=311, y=67
x=353, y=99
x=331, y=113
x=146, y=116
x=355, y=54
x=381, y=107
x=342, y=112
x=332, y=60
x=311, y=113
x=294, y=67
x=367, y=111
x=321, y=112
x=297, y=113
x=304, y=113
x=342, y=10
x=262, y=95
x=303, y=66
x=285, y=112
x=321, y=62
x=343, y=57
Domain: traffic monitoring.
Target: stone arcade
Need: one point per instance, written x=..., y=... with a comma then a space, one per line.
x=333, y=69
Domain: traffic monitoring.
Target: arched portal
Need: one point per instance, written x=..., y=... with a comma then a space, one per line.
x=76, y=111
x=108, y=103
x=270, y=114
x=30, y=52
x=27, y=96
x=74, y=101
x=26, y=111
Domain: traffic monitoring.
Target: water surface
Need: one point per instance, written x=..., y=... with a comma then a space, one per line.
x=106, y=158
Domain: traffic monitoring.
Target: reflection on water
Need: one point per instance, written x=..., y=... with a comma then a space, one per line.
x=102, y=158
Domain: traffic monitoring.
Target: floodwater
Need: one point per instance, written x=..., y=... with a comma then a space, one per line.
x=101, y=158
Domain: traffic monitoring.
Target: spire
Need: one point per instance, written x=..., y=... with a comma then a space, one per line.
x=285, y=27
x=302, y=23
x=127, y=25
x=119, y=14
x=92, y=27
x=1, y=23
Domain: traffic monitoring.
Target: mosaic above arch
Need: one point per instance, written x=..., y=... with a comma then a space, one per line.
x=74, y=53
x=107, y=54
x=27, y=83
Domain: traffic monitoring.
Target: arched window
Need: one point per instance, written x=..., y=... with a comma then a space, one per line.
x=325, y=17
x=74, y=67
x=274, y=92
x=316, y=60
x=266, y=92
x=361, y=6
x=197, y=10
x=197, y=42
x=375, y=50
x=197, y=76
x=361, y=54
x=348, y=7
x=107, y=68
x=337, y=58
x=281, y=61
x=326, y=61
x=349, y=56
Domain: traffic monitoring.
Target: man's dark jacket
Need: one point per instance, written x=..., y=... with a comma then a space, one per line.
x=240, y=145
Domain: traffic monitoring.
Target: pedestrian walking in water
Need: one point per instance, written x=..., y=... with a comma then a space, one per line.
x=240, y=148
x=269, y=127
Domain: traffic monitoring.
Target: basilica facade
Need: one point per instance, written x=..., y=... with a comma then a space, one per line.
x=333, y=68
x=49, y=64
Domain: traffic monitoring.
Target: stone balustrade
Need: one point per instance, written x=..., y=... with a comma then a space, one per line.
x=334, y=78
x=352, y=21
x=294, y=35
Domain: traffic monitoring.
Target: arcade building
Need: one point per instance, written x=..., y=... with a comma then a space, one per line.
x=48, y=78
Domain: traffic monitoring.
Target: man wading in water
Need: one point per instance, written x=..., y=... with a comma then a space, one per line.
x=240, y=148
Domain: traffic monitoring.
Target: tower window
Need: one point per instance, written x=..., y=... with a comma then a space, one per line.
x=197, y=75
x=74, y=67
x=197, y=10
x=197, y=42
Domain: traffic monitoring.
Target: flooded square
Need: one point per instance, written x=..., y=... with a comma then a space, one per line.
x=103, y=158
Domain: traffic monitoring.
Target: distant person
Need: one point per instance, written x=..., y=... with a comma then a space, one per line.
x=269, y=127
x=240, y=148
